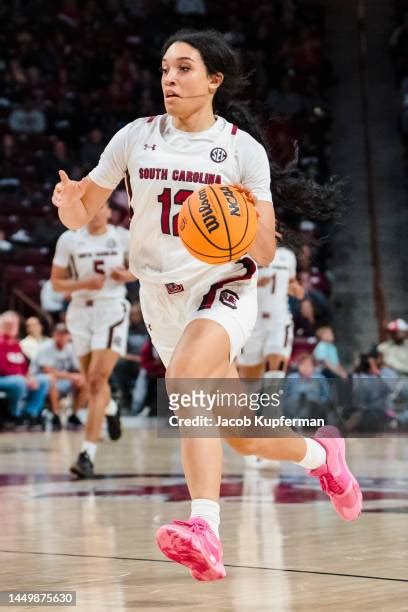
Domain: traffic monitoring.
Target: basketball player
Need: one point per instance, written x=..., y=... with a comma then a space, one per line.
x=166, y=158
x=91, y=265
x=269, y=347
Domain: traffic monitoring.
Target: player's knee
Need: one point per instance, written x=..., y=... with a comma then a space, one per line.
x=96, y=381
x=180, y=368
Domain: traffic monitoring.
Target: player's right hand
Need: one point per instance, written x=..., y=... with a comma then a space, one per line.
x=67, y=191
x=95, y=282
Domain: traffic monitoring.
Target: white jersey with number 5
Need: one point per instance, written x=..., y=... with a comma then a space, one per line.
x=87, y=254
x=163, y=166
x=273, y=297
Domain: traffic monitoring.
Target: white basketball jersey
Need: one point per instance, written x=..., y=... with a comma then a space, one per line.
x=160, y=177
x=273, y=297
x=86, y=254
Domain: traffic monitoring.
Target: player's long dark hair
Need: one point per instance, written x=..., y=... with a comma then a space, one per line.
x=293, y=194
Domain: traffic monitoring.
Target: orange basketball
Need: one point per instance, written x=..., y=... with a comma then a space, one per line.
x=217, y=224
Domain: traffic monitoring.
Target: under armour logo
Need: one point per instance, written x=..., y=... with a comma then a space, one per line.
x=149, y=327
x=152, y=147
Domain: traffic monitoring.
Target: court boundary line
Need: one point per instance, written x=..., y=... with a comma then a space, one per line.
x=147, y=560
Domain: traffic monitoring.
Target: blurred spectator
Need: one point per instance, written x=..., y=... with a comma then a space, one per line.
x=27, y=119
x=371, y=403
x=91, y=150
x=285, y=100
x=326, y=354
x=395, y=350
x=34, y=339
x=305, y=320
x=5, y=245
x=127, y=368
x=316, y=296
x=307, y=391
x=191, y=7
x=57, y=359
x=58, y=159
x=26, y=392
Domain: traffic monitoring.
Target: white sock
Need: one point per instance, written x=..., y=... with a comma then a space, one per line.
x=90, y=448
x=315, y=455
x=274, y=374
x=208, y=510
x=112, y=408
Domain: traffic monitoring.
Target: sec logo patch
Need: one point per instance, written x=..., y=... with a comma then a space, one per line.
x=218, y=155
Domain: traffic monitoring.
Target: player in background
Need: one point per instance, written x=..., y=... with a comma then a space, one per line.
x=268, y=349
x=91, y=264
x=204, y=137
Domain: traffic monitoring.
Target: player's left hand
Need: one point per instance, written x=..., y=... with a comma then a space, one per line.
x=120, y=274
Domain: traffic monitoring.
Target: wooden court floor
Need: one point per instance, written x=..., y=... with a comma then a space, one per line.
x=284, y=547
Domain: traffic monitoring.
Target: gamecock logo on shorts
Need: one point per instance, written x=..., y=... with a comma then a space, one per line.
x=229, y=298
x=218, y=155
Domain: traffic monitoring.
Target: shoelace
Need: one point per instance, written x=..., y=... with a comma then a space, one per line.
x=330, y=485
x=197, y=527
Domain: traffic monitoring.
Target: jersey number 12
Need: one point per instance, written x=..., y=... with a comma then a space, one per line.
x=165, y=199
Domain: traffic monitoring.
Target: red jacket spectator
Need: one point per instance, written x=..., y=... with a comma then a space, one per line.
x=12, y=359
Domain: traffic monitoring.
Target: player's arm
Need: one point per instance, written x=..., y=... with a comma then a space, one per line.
x=264, y=247
x=78, y=201
x=122, y=275
x=256, y=179
x=295, y=289
x=61, y=281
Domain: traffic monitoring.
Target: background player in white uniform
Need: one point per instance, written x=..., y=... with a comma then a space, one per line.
x=91, y=264
x=269, y=347
x=270, y=344
x=195, y=327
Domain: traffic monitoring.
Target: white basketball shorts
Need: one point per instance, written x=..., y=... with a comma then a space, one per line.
x=268, y=337
x=98, y=324
x=230, y=300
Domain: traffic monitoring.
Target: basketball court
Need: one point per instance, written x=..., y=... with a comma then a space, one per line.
x=284, y=547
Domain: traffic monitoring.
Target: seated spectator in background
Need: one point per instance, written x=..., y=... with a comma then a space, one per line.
x=91, y=150
x=127, y=368
x=315, y=295
x=34, y=339
x=379, y=368
x=304, y=319
x=371, y=403
x=53, y=302
x=26, y=393
x=58, y=158
x=395, y=350
x=57, y=359
x=326, y=354
x=307, y=392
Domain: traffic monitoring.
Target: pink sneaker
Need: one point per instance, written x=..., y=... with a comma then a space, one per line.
x=193, y=544
x=335, y=478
